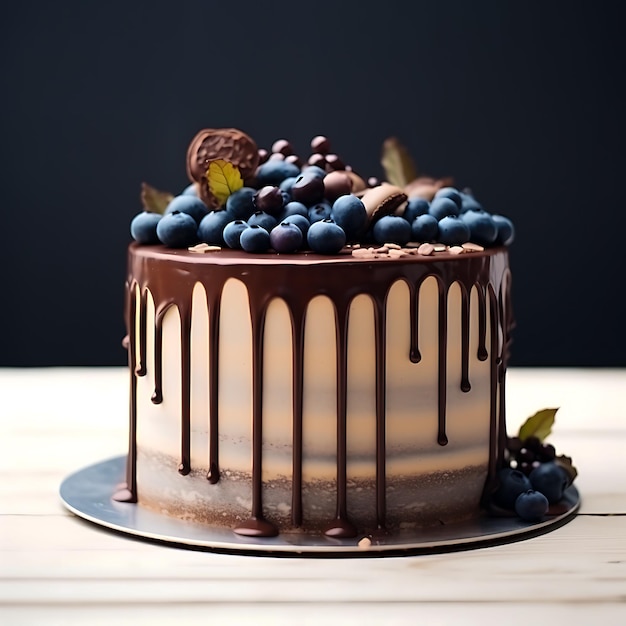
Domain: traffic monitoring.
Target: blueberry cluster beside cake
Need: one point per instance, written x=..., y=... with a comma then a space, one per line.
x=315, y=352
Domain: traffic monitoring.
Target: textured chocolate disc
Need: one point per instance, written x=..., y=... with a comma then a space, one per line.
x=229, y=144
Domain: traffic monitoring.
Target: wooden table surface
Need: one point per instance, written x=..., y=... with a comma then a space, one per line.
x=58, y=569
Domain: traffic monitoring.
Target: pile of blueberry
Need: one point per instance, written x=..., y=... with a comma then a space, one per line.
x=294, y=206
x=534, y=479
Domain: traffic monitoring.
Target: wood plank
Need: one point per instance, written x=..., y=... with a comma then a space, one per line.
x=74, y=560
x=588, y=399
x=362, y=613
x=58, y=569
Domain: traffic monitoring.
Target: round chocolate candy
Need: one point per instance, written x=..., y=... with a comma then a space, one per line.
x=283, y=147
x=317, y=159
x=337, y=184
x=320, y=144
x=295, y=159
x=333, y=162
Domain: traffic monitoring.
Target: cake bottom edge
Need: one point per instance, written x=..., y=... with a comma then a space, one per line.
x=410, y=501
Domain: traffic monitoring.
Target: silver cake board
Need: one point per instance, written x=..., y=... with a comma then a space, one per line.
x=87, y=493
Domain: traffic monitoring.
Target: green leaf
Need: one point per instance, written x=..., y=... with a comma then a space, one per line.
x=224, y=179
x=153, y=199
x=399, y=167
x=539, y=425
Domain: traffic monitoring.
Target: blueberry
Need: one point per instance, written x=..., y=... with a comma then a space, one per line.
x=177, y=230
x=511, y=483
x=269, y=199
x=308, y=189
x=189, y=204
x=326, y=237
x=273, y=172
x=287, y=184
x=190, y=190
x=424, y=228
x=143, y=227
x=531, y=505
x=319, y=211
x=212, y=226
x=265, y=220
x=392, y=229
x=299, y=220
x=286, y=197
x=469, y=203
x=294, y=208
x=255, y=239
x=232, y=233
x=551, y=480
x=452, y=194
x=453, y=231
x=286, y=238
x=506, y=230
x=414, y=208
x=442, y=207
x=349, y=212
x=316, y=170
x=483, y=229
x=240, y=204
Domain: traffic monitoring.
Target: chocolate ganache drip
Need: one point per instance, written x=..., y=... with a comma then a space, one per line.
x=169, y=276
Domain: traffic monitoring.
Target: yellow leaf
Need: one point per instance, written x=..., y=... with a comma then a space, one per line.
x=224, y=179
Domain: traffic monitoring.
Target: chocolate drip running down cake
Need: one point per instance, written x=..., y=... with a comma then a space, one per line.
x=338, y=394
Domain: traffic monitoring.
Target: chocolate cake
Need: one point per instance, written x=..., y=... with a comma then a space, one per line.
x=351, y=384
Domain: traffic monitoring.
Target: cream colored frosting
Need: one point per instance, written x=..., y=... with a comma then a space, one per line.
x=413, y=453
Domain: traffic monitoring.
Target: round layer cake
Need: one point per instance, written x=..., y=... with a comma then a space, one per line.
x=337, y=394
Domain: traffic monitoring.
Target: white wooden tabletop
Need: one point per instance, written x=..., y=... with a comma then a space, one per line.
x=58, y=569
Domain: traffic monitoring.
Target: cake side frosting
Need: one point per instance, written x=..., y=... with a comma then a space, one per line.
x=404, y=446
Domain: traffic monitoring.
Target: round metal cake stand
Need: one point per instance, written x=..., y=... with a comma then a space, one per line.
x=87, y=493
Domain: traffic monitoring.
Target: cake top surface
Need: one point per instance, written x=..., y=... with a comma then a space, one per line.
x=203, y=254
x=267, y=202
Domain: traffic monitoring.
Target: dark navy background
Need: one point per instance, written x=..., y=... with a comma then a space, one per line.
x=523, y=102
